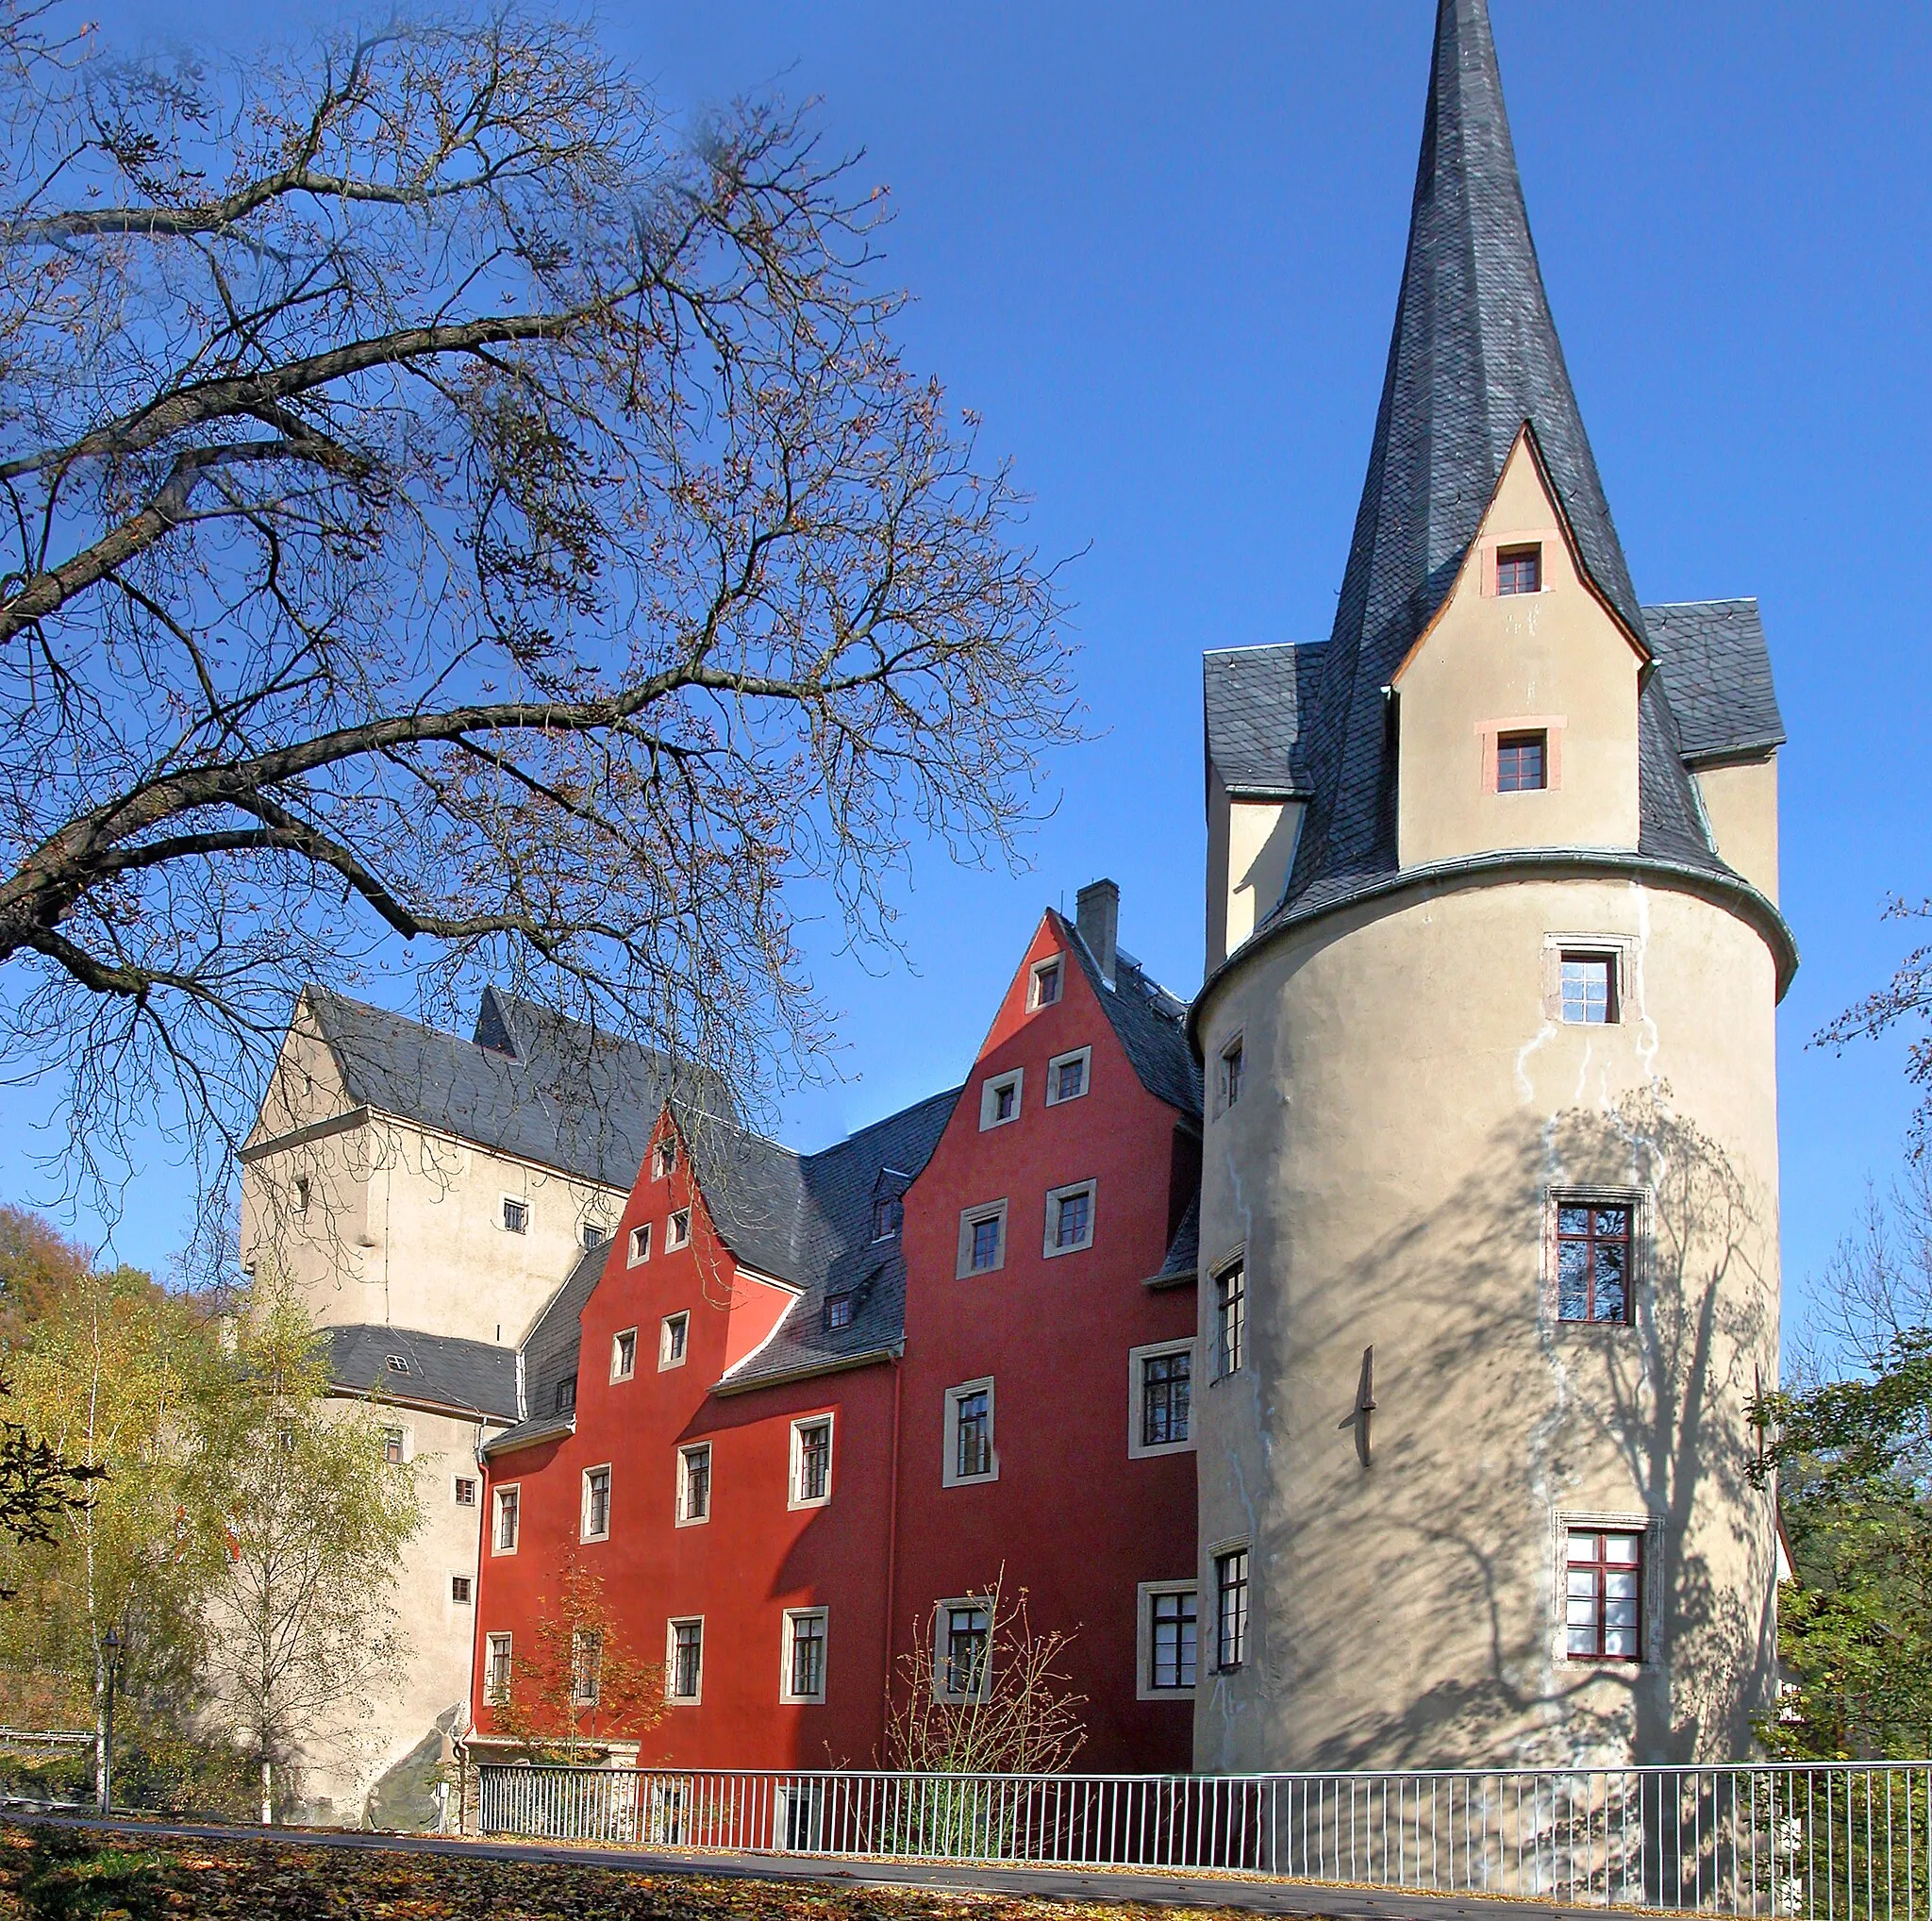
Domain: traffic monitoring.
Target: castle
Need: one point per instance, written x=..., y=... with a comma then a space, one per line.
x=1359, y=1356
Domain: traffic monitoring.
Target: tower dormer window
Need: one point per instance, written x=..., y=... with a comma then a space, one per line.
x=1520, y=570
x=1523, y=762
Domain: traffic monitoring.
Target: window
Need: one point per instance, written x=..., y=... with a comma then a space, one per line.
x=969, y=1434
x=677, y=1231
x=594, y=1235
x=1067, y=1075
x=1231, y=1609
x=301, y=1194
x=1069, y=1218
x=693, y=1485
x=839, y=1311
x=623, y=1355
x=1603, y=1594
x=516, y=1216
x=393, y=1441
x=460, y=1590
x=982, y=1238
x=496, y=1679
x=466, y=1491
x=888, y=1217
x=1230, y=1320
x=963, y=1653
x=811, y=1461
x=666, y=1159
x=586, y=1666
x=396, y=1363
x=509, y=1505
x=685, y=1661
x=639, y=1246
x=1046, y=982
x=1169, y=1640
x=1521, y=762
x=1589, y=989
x=1160, y=1384
x=1232, y=1056
x=1520, y=570
x=565, y=1398
x=999, y=1099
x=803, y=1674
x=597, y=1503
x=671, y=1338
x=1595, y=1265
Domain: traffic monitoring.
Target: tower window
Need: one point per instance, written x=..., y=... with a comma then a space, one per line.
x=1589, y=989
x=1231, y=1610
x=1230, y=1321
x=1232, y=1059
x=1593, y=1260
x=1523, y=762
x=1604, y=1596
x=1520, y=570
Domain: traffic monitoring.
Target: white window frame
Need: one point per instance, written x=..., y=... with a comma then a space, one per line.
x=683, y=1519
x=677, y=1230
x=492, y=1641
x=786, y=1638
x=695, y=1699
x=949, y=1474
x=1137, y=1387
x=1084, y=1056
x=828, y=1422
x=584, y=1533
x=407, y=1439
x=1602, y=1521
x=619, y=1371
x=457, y=1483
x=663, y=1158
x=940, y=1663
x=1034, y=1003
x=514, y=1488
x=1013, y=1081
x=504, y=1206
x=665, y=1358
x=1145, y=1689
x=637, y=1249
x=1051, y=1246
x=970, y=1218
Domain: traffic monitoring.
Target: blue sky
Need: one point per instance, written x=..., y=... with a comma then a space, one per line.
x=1157, y=248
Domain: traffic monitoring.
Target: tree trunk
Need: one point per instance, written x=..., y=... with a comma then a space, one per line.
x=267, y=1793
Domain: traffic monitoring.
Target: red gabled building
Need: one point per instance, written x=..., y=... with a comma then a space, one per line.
x=802, y=1410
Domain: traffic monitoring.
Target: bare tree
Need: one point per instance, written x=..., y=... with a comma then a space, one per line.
x=1905, y=998
x=458, y=520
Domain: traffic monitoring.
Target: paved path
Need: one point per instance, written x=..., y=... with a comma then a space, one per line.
x=1252, y=1893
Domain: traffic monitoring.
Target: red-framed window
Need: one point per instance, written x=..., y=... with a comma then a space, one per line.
x=1520, y=570
x=1604, y=1585
x=1595, y=1259
x=1523, y=762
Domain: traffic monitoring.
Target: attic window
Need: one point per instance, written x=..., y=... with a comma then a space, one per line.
x=516, y=1216
x=888, y=1217
x=667, y=1158
x=566, y=1394
x=1523, y=762
x=839, y=1308
x=1046, y=982
x=595, y=1234
x=677, y=1230
x=396, y=1363
x=1520, y=570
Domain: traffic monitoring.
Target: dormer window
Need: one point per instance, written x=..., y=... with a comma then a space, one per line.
x=1520, y=570
x=396, y=1363
x=1523, y=762
x=888, y=1217
x=839, y=1309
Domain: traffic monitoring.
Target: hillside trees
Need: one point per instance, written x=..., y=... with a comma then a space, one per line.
x=455, y=515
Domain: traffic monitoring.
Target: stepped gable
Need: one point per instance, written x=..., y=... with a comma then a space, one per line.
x=1474, y=356
x=442, y=1371
x=1148, y=1021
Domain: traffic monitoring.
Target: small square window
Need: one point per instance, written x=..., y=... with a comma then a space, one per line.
x=640, y=1244
x=509, y=1515
x=460, y=1590
x=672, y=1339
x=888, y=1218
x=597, y=1503
x=1603, y=1594
x=693, y=1485
x=841, y=1311
x=1520, y=570
x=564, y=1400
x=677, y=1231
x=595, y=1234
x=970, y=1454
x=466, y=1491
x=1590, y=990
x=1595, y=1259
x=982, y=1240
x=811, y=1461
x=1069, y=1219
x=803, y=1677
x=1521, y=762
x=1231, y=1609
x=394, y=1442
x=1067, y=1075
x=666, y=1159
x=516, y=1216
x=963, y=1654
x=999, y=1099
x=496, y=1673
x=623, y=1355
x=686, y=1664
x=1046, y=982
x=1230, y=1321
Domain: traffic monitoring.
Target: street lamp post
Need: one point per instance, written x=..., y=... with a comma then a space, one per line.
x=111, y=1647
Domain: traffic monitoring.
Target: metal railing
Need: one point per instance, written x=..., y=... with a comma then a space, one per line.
x=1839, y=1843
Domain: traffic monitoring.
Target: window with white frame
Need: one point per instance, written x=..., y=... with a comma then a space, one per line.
x=1231, y=1609
x=496, y=1671
x=639, y=1250
x=586, y=1666
x=624, y=1353
x=1168, y=1639
x=969, y=1452
x=673, y=1337
x=962, y=1649
x=999, y=1098
x=694, y=1484
x=802, y=1670
x=1067, y=1075
x=508, y=1503
x=597, y=1504
x=466, y=1491
x=1230, y=1320
x=677, y=1231
x=1160, y=1390
x=811, y=1461
x=982, y=1238
x=1049, y=980
x=516, y=1215
x=664, y=1160
x=684, y=1661
x=1069, y=1218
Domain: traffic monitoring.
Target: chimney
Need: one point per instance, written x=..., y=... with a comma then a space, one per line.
x=1098, y=917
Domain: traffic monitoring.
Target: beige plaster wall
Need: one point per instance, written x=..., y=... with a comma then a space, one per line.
x=1250, y=848
x=1555, y=660
x=1409, y=1104
x=1741, y=802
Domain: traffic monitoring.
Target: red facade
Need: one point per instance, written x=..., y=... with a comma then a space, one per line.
x=1094, y=1186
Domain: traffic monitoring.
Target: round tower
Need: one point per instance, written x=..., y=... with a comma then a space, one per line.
x=1488, y=1212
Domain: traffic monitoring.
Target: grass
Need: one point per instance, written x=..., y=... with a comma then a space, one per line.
x=50, y=1872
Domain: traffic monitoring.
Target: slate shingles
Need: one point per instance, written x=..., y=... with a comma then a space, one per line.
x=1150, y=1024
x=468, y=1377
x=1712, y=657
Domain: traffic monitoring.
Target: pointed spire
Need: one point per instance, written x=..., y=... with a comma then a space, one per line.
x=1475, y=355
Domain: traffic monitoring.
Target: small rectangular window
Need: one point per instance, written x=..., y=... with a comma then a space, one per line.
x=811, y=1461
x=1590, y=990
x=677, y=1231
x=969, y=1434
x=1604, y=1598
x=623, y=1355
x=999, y=1099
x=597, y=1503
x=516, y=1216
x=1067, y=1075
x=466, y=1491
x=393, y=1441
x=640, y=1244
x=509, y=1505
x=962, y=1665
x=497, y=1673
x=687, y=1662
x=595, y=1234
x=1230, y=1321
x=1171, y=1635
x=888, y=1217
x=460, y=1590
x=1069, y=1218
x=1520, y=570
x=982, y=1240
x=694, y=1484
x=586, y=1666
x=1232, y=1057
x=666, y=1159
x=301, y=1194
x=1595, y=1265
x=1165, y=1383
x=804, y=1655
x=1521, y=762
x=986, y=1243
x=671, y=1338
x=841, y=1310
x=1231, y=1610
x=1046, y=983
x=565, y=1398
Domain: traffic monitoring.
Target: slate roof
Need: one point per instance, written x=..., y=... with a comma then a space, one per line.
x=1714, y=662
x=464, y=1377
x=530, y=1083
x=1150, y=1024
x=1184, y=1251
x=550, y=1355
x=1253, y=699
